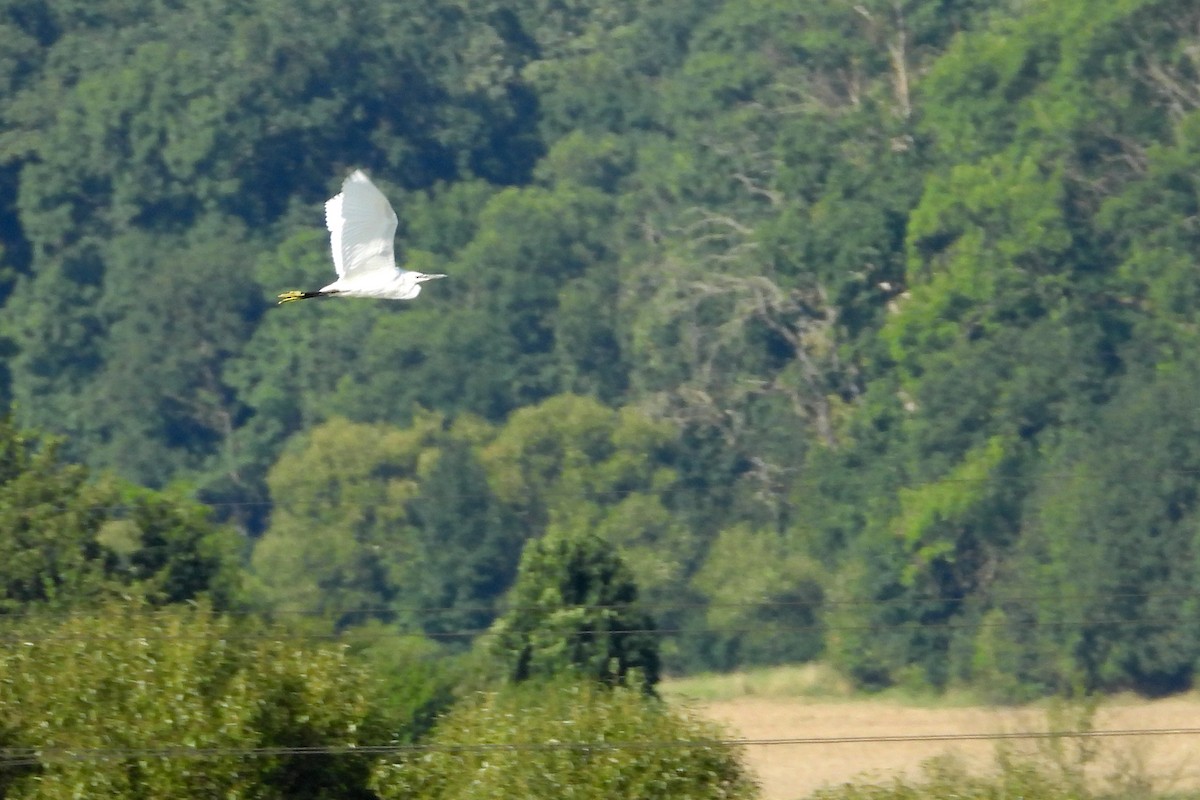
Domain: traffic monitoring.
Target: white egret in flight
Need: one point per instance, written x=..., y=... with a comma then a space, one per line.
x=362, y=228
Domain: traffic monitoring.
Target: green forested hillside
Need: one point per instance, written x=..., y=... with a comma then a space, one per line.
x=864, y=331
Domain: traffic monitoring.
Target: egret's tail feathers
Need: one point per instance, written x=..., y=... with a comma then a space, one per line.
x=288, y=297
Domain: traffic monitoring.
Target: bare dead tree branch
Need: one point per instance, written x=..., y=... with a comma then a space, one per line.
x=773, y=196
x=804, y=320
x=898, y=52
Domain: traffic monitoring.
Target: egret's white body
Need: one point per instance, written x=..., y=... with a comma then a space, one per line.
x=362, y=229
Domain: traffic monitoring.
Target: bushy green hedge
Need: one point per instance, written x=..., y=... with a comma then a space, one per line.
x=521, y=743
x=92, y=693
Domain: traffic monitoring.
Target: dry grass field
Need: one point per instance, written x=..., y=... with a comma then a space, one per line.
x=770, y=706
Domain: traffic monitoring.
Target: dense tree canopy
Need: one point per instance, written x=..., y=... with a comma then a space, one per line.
x=861, y=331
x=72, y=542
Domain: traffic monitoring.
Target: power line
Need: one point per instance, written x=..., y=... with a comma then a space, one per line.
x=353, y=636
x=421, y=612
x=18, y=756
x=653, y=606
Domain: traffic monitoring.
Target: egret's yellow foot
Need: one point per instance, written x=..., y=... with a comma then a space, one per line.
x=288, y=297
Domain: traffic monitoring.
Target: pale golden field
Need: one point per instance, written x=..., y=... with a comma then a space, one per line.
x=789, y=772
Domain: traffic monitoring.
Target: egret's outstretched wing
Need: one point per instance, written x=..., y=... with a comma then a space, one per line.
x=362, y=228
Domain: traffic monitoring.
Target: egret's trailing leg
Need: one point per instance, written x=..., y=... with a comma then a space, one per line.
x=288, y=297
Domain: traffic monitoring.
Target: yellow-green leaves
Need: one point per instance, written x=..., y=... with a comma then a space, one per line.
x=987, y=248
x=341, y=541
x=98, y=694
x=572, y=465
x=933, y=517
x=644, y=750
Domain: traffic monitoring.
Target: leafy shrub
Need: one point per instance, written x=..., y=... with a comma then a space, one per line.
x=128, y=679
x=529, y=740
